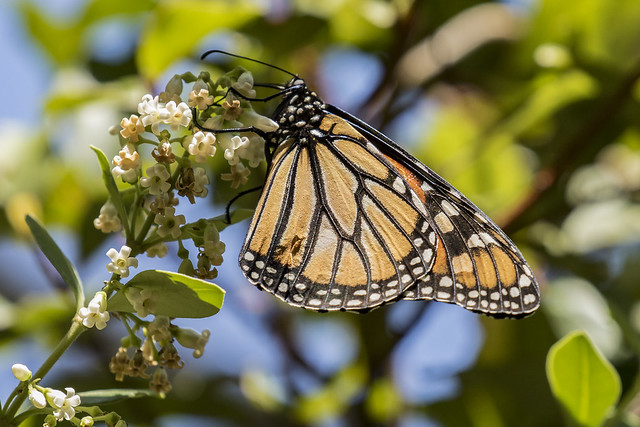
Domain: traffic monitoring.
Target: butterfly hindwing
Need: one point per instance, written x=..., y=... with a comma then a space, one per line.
x=476, y=265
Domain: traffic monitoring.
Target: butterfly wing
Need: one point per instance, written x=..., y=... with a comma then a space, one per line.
x=476, y=265
x=336, y=228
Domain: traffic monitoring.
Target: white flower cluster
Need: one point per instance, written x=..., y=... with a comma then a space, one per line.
x=211, y=106
x=62, y=402
x=154, y=113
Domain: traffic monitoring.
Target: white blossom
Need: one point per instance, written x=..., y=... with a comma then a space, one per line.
x=121, y=261
x=63, y=404
x=231, y=149
x=201, y=145
x=152, y=112
x=191, y=339
x=253, y=151
x=127, y=164
x=156, y=179
x=108, y=221
x=21, y=372
x=143, y=300
x=37, y=398
x=244, y=85
x=169, y=223
x=179, y=115
x=200, y=99
x=95, y=314
x=200, y=182
x=131, y=128
x=239, y=175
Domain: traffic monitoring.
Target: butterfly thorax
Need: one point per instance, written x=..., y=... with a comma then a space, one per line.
x=299, y=111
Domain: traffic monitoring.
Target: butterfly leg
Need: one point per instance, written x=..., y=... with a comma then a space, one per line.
x=236, y=197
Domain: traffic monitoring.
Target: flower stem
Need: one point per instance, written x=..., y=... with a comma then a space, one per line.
x=72, y=334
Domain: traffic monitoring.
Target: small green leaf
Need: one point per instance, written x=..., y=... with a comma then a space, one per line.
x=112, y=188
x=59, y=261
x=99, y=397
x=220, y=221
x=581, y=378
x=236, y=216
x=174, y=295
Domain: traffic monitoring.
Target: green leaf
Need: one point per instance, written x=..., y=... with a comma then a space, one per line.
x=174, y=295
x=99, y=397
x=384, y=402
x=112, y=188
x=98, y=10
x=581, y=378
x=61, y=42
x=236, y=216
x=334, y=398
x=551, y=93
x=220, y=221
x=176, y=28
x=59, y=261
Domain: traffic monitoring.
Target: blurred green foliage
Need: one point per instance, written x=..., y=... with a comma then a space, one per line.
x=536, y=120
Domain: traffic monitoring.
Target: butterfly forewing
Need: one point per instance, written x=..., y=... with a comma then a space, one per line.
x=343, y=232
x=348, y=221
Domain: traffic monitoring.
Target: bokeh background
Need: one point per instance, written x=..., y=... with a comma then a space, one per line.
x=529, y=107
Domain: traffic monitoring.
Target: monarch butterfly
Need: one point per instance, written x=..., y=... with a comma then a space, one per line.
x=348, y=220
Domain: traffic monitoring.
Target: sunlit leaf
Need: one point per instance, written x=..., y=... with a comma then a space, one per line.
x=99, y=9
x=581, y=378
x=550, y=93
x=110, y=183
x=599, y=31
x=100, y=397
x=41, y=314
x=61, y=41
x=60, y=262
x=175, y=295
x=354, y=22
x=176, y=27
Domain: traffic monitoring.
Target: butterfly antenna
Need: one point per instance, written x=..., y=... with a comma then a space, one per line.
x=209, y=52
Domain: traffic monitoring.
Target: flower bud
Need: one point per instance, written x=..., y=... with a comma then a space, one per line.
x=21, y=372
